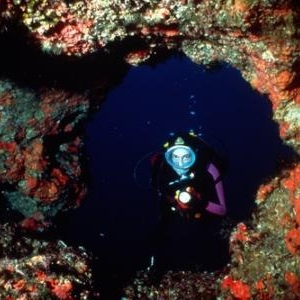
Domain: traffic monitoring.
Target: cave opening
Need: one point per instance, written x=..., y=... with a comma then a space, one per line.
x=116, y=220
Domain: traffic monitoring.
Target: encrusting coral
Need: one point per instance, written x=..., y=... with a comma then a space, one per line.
x=41, y=173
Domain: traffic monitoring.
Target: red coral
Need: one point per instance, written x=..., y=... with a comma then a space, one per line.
x=48, y=191
x=35, y=222
x=70, y=33
x=283, y=79
x=137, y=57
x=264, y=191
x=58, y=174
x=33, y=159
x=19, y=285
x=40, y=276
x=264, y=288
x=283, y=129
x=62, y=290
x=237, y=288
x=293, y=179
x=31, y=182
x=240, y=6
x=296, y=204
x=6, y=98
x=8, y=146
x=241, y=234
x=292, y=240
x=293, y=281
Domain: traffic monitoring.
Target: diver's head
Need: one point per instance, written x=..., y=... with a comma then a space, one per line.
x=180, y=156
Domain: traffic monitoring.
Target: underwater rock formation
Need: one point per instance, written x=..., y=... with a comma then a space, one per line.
x=31, y=268
x=175, y=285
x=40, y=148
x=39, y=158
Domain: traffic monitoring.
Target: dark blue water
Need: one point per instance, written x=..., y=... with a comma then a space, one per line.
x=137, y=117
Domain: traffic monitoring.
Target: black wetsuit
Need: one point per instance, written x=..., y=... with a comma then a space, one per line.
x=185, y=236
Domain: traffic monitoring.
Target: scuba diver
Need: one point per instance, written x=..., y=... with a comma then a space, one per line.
x=187, y=177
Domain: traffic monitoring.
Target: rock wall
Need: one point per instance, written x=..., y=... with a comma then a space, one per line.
x=40, y=145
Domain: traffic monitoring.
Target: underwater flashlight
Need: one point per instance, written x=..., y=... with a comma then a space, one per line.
x=184, y=197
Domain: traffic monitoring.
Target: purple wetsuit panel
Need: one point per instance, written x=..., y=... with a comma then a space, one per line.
x=217, y=208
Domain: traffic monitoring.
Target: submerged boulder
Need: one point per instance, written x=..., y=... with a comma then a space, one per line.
x=34, y=268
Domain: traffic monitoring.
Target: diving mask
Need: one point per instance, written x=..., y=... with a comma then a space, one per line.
x=180, y=157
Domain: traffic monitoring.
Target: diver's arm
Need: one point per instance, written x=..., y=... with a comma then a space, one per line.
x=217, y=208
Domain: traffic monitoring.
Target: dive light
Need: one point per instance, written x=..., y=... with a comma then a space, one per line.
x=184, y=195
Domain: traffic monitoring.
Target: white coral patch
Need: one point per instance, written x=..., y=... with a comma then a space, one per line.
x=292, y=115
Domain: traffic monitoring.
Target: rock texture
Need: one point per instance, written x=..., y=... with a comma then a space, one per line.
x=40, y=144
x=33, y=268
